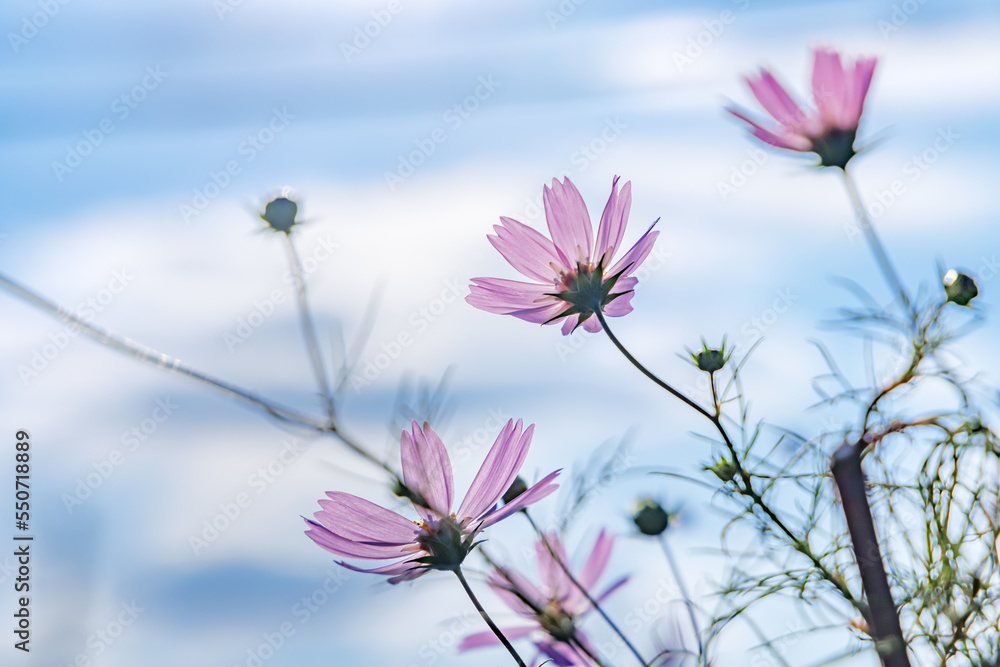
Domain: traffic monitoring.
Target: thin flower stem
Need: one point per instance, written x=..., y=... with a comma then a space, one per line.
x=164, y=361
x=745, y=487
x=635, y=362
x=684, y=594
x=158, y=359
x=881, y=256
x=308, y=330
x=579, y=646
x=486, y=617
x=583, y=589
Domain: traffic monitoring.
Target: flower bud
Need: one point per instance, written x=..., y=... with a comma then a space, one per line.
x=710, y=360
x=725, y=470
x=959, y=287
x=516, y=488
x=650, y=518
x=401, y=490
x=280, y=213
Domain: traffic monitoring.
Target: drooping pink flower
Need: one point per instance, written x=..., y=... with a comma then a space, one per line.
x=829, y=131
x=356, y=528
x=555, y=607
x=573, y=272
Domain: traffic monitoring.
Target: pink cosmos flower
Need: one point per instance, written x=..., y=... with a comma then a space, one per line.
x=554, y=608
x=355, y=528
x=573, y=273
x=839, y=94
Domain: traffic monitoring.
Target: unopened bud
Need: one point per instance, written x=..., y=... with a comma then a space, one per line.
x=725, y=470
x=516, y=488
x=959, y=287
x=280, y=214
x=650, y=518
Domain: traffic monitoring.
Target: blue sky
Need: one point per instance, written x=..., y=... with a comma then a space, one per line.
x=192, y=117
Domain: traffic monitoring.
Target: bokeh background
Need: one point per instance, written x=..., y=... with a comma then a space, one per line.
x=141, y=140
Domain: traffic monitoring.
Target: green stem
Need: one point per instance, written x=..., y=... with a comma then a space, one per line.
x=308, y=330
x=583, y=589
x=486, y=617
x=635, y=362
x=745, y=487
x=881, y=256
x=684, y=594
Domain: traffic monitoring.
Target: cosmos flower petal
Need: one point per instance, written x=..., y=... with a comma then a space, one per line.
x=527, y=301
x=597, y=561
x=620, y=306
x=775, y=100
x=356, y=518
x=631, y=260
x=829, y=92
x=792, y=142
x=864, y=69
x=343, y=546
x=555, y=583
x=611, y=589
x=540, y=490
x=510, y=587
x=498, y=471
x=568, y=221
x=526, y=250
x=560, y=653
x=487, y=638
x=591, y=324
x=427, y=468
x=613, y=222
x=404, y=570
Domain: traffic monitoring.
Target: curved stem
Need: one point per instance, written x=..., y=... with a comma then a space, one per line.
x=881, y=256
x=159, y=359
x=684, y=594
x=308, y=330
x=745, y=487
x=486, y=617
x=166, y=362
x=635, y=362
x=583, y=589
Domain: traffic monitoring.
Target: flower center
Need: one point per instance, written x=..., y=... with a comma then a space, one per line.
x=556, y=622
x=446, y=544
